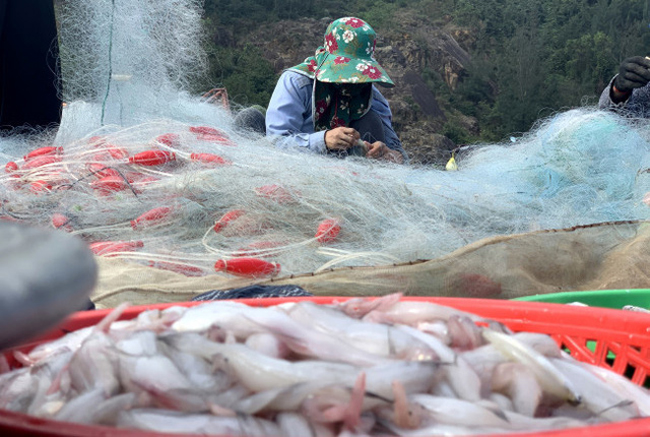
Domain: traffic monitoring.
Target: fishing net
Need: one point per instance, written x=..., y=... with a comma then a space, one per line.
x=168, y=192
x=134, y=58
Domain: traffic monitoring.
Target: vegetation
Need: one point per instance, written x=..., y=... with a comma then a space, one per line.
x=529, y=57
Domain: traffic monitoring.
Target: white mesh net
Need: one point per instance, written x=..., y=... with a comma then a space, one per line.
x=127, y=65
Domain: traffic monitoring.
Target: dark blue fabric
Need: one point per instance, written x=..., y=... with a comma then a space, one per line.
x=254, y=291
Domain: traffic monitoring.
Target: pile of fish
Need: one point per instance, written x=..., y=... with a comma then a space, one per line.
x=383, y=366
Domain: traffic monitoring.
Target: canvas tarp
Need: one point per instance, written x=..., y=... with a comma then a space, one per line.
x=595, y=257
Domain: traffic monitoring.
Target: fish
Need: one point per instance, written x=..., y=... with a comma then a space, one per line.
x=549, y=377
x=302, y=368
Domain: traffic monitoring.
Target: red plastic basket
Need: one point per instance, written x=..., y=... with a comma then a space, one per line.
x=610, y=333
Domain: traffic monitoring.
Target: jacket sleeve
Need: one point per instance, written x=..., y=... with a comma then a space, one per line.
x=381, y=107
x=637, y=105
x=289, y=107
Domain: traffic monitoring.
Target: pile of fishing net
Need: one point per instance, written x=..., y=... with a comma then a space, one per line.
x=197, y=199
x=176, y=200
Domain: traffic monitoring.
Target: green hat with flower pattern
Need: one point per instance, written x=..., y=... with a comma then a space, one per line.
x=347, y=56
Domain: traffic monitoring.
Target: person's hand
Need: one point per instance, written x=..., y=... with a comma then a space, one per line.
x=341, y=138
x=379, y=150
x=633, y=73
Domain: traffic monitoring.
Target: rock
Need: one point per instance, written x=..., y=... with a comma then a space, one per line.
x=427, y=148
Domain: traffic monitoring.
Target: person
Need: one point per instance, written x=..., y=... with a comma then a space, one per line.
x=328, y=103
x=29, y=66
x=628, y=92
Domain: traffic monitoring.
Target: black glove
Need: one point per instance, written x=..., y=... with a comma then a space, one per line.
x=633, y=73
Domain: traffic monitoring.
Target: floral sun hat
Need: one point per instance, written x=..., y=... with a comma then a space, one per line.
x=347, y=56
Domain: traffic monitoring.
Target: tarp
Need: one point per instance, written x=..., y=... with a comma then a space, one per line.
x=595, y=257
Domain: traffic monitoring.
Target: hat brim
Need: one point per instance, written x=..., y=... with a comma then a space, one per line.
x=341, y=69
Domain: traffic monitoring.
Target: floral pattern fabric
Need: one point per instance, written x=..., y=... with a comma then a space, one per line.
x=347, y=57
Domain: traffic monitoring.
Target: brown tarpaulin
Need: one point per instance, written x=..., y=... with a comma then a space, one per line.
x=595, y=257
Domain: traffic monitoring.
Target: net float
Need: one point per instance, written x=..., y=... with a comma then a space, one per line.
x=146, y=180
x=168, y=139
x=209, y=158
x=216, y=139
x=207, y=130
x=61, y=221
x=276, y=193
x=247, y=267
x=184, y=269
x=207, y=133
x=110, y=154
x=152, y=157
x=101, y=171
x=151, y=217
x=11, y=167
x=42, y=151
x=110, y=247
x=258, y=248
x=40, y=186
x=108, y=184
x=228, y=217
x=97, y=141
x=40, y=161
x=327, y=230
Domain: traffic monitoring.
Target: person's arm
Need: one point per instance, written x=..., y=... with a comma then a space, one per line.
x=288, y=112
x=629, y=89
x=381, y=107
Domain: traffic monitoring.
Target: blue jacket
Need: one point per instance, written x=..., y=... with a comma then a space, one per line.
x=637, y=105
x=290, y=122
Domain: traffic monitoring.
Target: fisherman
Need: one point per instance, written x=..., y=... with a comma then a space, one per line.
x=29, y=66
x=329, y=103
x=628, y=92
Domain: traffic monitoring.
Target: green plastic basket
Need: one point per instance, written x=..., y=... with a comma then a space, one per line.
x=616, y=299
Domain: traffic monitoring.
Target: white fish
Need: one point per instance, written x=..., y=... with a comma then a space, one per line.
x=297, y=425
x=307, y=341
x=158, y=377
x=458, y=373
x=415, y=312
x=106, y=413
x=257, y=371
x=520, y=422
x=623, y=386
x=267, y=344
x=550, y=379
x=520, y=384
x=542, y=343
x=94, y=365
x=374, y=338
x=597, y=396
x=456, y=411
x=442, y=430
x=80, y=408
x=483, y=360
x=174, y=422
x=17, y=390
x=198, y=371
x=225, y=314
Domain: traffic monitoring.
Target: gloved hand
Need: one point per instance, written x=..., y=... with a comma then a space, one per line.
x=633, y=73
